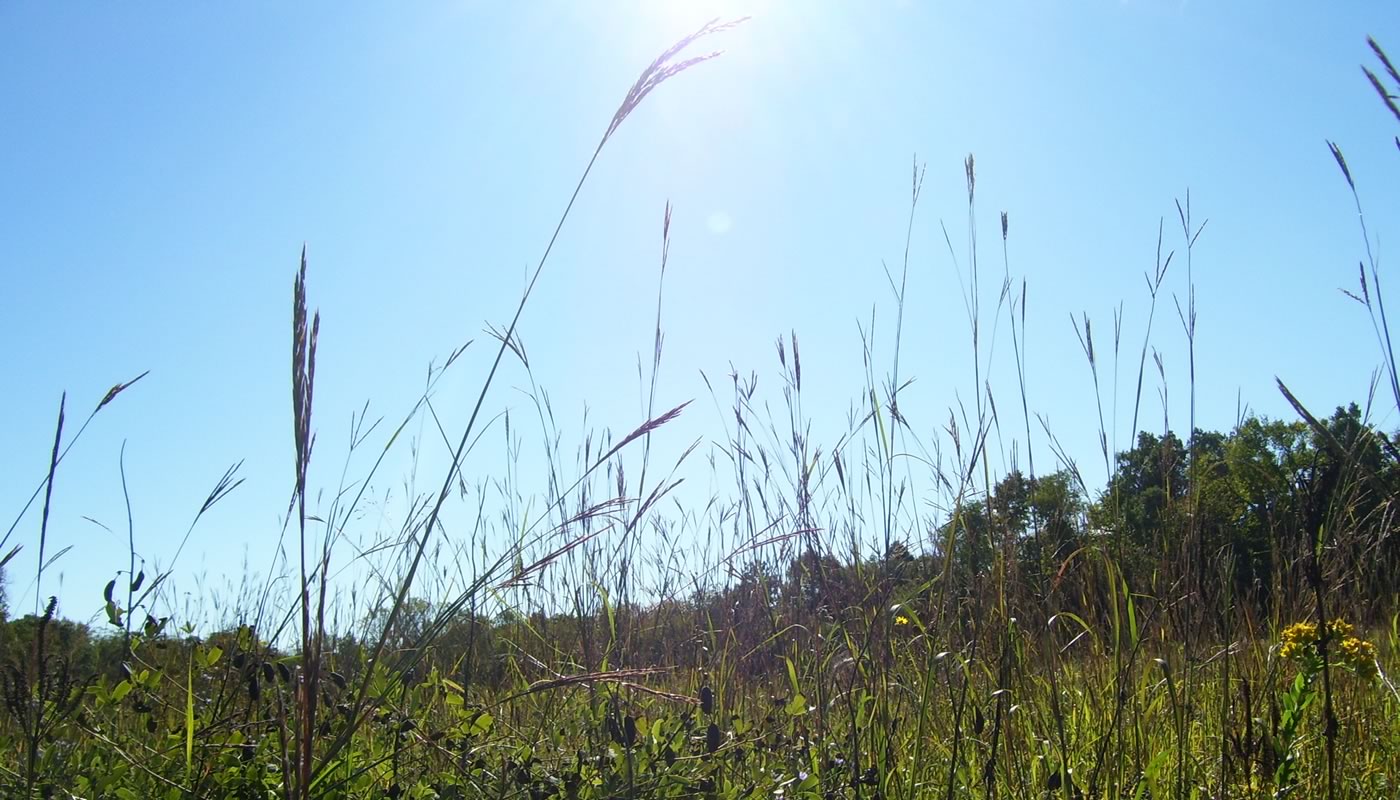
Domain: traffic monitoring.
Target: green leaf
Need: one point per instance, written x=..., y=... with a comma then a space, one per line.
x=797, y=706
x=189, y=719
x=1132, y=612
x=482, y=723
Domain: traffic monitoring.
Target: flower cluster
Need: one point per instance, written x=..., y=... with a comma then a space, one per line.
x=1300, y=640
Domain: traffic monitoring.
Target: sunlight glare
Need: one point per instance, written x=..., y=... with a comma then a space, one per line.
x=680, y=16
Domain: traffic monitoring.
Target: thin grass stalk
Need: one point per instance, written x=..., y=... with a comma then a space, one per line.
x=303, y=386
x=48, y=500
x=658, y=72
x=44, y=483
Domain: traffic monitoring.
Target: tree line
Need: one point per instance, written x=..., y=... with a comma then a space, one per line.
x=1221, y=524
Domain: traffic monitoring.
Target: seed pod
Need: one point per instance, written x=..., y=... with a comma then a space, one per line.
x=712, y=738
x=978, y=721
x=707, y=700
x=268, y=673
x=254, y=688
x=629, y=730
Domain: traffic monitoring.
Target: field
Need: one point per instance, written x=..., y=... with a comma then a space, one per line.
x=1219, y=620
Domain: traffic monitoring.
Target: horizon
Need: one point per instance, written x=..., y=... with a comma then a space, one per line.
x=170, y=167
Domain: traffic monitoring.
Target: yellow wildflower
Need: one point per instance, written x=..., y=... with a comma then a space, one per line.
x=1300, y=640
x=1360, y=655
x=1341, y=628
x=901, y=620
x=1302, y=633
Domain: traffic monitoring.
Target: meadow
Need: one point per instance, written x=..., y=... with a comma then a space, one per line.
x=1219, y=620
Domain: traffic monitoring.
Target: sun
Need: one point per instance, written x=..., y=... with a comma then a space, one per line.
x=684, y=14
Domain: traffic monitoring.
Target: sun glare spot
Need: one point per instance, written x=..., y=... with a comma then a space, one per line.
x=690, y=13
x=719, y=223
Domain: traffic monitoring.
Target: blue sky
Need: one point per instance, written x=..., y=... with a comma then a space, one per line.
x=163, y=164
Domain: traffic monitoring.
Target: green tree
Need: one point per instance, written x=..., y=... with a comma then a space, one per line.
x=1144, y=492
x=1053, y=527
x=1035, y=520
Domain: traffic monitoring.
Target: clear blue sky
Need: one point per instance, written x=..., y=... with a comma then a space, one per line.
x=162, y=165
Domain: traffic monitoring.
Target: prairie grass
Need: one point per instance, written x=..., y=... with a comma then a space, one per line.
x=828, y=624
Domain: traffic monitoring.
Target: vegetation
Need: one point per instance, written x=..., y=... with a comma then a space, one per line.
x=1219, y=620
